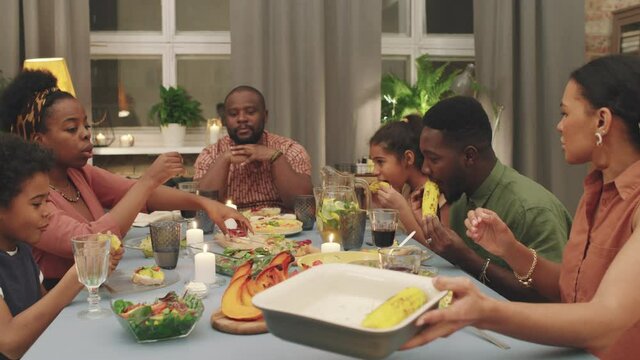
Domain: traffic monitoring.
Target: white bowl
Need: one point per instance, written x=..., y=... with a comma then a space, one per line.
x=324, y=306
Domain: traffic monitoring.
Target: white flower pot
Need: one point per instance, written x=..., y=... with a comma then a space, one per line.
x=173, y=135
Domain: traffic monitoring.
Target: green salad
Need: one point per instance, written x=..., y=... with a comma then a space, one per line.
x=168, y=317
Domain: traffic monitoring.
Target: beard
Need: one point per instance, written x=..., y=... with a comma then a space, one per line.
x=452, y=196
x=255, y=136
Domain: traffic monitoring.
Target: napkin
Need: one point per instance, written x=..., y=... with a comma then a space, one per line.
x=143, y=219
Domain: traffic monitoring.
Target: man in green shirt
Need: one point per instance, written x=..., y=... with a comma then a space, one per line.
x=456, y=144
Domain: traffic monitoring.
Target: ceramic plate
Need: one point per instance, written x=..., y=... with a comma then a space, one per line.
x=341, y=257
x=119, y=282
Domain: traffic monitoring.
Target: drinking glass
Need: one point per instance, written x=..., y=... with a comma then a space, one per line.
x=406, y=258
x=91, y=254
x=383, y=226
x=305, y=210
x=204, y=222
x=165, y=242
x=190, y=187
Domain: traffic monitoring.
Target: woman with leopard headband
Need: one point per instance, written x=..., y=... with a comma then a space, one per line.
x=33, y=107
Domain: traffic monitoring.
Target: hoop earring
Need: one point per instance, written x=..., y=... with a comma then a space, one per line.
x=598, y=139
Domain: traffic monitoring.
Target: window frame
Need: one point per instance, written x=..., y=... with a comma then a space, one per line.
x=447, y=47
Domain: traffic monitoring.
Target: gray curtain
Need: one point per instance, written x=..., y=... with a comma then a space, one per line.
x=525, y=51
x=318, y=65
x=52, y=28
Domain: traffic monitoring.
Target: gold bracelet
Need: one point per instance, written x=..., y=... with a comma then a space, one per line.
x=483, y=273
x=527, y=280
x=275, y=156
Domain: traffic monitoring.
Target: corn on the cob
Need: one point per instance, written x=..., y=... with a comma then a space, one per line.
x=395, y=309
x=377, y=185
x=430, y=198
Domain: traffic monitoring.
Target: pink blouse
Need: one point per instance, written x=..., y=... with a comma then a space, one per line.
x=100, y=190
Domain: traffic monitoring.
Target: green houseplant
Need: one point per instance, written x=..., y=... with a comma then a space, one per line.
x=175, y=111
x=400, y=98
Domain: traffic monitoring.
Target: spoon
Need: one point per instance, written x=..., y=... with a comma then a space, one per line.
x=407, y=238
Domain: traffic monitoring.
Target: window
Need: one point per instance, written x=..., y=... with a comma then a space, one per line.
x=410, y=28
x=137, y=46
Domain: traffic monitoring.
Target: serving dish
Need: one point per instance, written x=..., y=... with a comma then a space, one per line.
x=166, y=318
x=332, y=300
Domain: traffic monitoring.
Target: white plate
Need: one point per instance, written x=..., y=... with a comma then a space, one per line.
x=119, y=282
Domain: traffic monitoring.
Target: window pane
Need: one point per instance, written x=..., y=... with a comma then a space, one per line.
x=396, y=65
x=207, y=78
x=202, y=15
x=125, y=15
x=125, y=84
x=396, y=16
x=449, y=17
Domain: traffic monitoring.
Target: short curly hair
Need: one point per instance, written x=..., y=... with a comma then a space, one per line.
x=21, y=91
x=19, y=162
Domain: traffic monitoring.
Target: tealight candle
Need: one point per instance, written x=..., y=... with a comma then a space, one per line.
x=126, y=140
x=330, y=246
x=101, y=140
x=205, y=267
x=231, y=205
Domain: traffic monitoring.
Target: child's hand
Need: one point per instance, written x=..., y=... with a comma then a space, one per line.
x=389, y=198
x=114, y=258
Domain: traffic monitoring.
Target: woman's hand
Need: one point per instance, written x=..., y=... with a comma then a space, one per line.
x=165, y=167
x=487, y=230
x=219, y=212
x=469, y=307
x=114, y=258
x=388, y=197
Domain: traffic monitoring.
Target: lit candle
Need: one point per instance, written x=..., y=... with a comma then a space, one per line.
x=126, y=140
x=101, y=140
x=330, y=246
x=195, y=235
x=231, y=205
x=205, y=264
x=214, y=133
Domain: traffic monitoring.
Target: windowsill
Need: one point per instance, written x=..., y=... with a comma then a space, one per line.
x=143, y=150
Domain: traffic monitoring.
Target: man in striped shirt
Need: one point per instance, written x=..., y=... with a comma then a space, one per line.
x=250, y=166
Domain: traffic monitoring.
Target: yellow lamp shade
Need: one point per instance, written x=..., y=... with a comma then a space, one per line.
x=57, y=66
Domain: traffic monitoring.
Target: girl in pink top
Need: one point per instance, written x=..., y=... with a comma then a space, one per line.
x=596, y=281
x=34, y=108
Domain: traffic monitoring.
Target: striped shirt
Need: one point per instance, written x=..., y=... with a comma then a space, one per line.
x=252, y=185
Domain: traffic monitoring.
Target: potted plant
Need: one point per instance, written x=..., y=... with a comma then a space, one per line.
x=175, y=111
x=400, y=98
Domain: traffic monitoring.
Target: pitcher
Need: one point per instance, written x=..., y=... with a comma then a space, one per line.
x=333, y=177
x=337, y=213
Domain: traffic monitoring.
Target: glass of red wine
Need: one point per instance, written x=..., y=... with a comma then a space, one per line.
x=383, y=226
x=191, y=187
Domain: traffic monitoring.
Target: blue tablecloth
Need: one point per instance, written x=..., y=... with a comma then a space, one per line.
x=69, y=337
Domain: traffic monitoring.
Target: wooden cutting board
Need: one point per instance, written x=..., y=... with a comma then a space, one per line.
x=224, y=324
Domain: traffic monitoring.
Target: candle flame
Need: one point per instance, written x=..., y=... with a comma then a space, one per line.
x=229, y=202
x=204, y=248
x=331, y=238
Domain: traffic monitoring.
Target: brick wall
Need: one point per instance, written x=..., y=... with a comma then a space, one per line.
x=598, y=25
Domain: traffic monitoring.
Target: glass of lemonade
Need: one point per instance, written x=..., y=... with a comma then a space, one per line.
x=91, y=254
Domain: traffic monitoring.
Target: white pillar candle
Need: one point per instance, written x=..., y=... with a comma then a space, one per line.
x=231, y=205
x=330, y=246
x=126, y=140
x=195, y=236
x=214, y=133
x=205, y=267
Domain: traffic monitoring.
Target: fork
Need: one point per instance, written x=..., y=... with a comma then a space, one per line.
x=490, y=338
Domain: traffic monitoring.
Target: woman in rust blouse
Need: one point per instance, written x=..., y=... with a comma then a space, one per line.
x=597, y=280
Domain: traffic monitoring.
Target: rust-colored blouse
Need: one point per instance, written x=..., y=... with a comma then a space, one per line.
x=601, y=227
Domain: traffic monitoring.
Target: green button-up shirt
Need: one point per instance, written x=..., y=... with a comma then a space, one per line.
x=535, y=216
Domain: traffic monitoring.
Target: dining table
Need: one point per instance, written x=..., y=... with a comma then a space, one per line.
x=70, y=337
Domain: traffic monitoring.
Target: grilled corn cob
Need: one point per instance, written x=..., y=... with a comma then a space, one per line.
x=430, y=198
x=395, y=309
